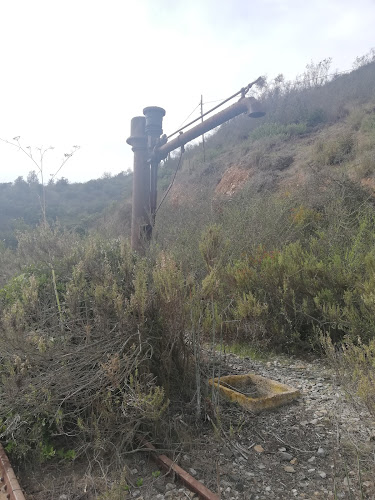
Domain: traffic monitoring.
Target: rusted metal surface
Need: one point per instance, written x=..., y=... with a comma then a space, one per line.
x=154, y=121
x=242, y=91
x=141, y=185
x=9, y=485
x=189, y=481
x=244, y=105
x=145, y=134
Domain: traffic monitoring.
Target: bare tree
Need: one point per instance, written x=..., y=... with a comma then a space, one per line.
x=37, y=156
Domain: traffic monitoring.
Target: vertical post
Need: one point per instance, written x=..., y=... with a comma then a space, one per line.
x=154, y=122
x=141, y=185
x=204, y=146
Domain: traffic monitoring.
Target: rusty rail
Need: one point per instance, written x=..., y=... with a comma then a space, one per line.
x=9, y=485
x=189, y=481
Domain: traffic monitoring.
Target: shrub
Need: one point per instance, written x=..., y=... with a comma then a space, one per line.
x=354, y=363
x=368, y=124
x=277, y=129
x=93, y=357
x=336, y=151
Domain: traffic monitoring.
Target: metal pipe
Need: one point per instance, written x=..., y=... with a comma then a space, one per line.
x=245, y=105
x=154, y=122
x=243, y=91
x=141, y=227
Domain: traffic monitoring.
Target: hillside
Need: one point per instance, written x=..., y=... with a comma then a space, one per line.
x=263, y=258
x=314, y=138
x=76, y=206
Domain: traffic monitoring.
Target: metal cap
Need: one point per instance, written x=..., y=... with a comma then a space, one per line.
x=254, y=108
x=154, y=120
x=137, y=132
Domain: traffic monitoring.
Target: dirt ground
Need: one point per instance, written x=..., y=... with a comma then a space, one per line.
x=320, y=446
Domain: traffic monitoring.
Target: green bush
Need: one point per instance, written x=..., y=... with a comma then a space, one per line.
x=368, y=123
x=354, y=362
x=336, y=151
x=278, y=129
x=92, y=355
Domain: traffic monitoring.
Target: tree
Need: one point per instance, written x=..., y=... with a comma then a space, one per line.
x=37, y=155
x=32, y=177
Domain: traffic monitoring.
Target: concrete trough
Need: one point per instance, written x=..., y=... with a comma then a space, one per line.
x=254, y=392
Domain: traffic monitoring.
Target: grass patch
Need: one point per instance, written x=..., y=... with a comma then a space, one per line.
x=245, y=351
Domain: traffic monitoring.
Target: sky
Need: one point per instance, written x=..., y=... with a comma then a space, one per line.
x=74, y=72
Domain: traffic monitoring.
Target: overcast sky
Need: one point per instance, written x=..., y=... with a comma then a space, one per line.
x=74, y=72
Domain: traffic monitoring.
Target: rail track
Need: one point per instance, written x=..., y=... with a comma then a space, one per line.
x=9, y=485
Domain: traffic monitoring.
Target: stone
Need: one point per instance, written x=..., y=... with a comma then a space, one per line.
x=170, y=494
x=258, y=448
x=289, y=469
x=170, y=486
x=193, y=472
x=311, y=460
x=322, y=474
x=321, y=452
x=285, y=457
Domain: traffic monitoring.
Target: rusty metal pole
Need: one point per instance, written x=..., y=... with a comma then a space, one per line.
x=154, y=122
x=141, y=185
x=149, y=150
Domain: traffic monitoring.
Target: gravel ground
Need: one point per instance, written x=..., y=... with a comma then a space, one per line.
x=320, y=446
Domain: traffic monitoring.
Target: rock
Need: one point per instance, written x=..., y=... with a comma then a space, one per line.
x=294, y=461
x=311, y=460
x=227, y=452
x=63, y=497
x=285, y=457
x=171, y=494
x=321, y=452
x=193, y=472
x=282, y=449
x=170, y=486
x=134, y=471
x=322, y=474
x=136, y=494
x=258, y=448
x=290, y=469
